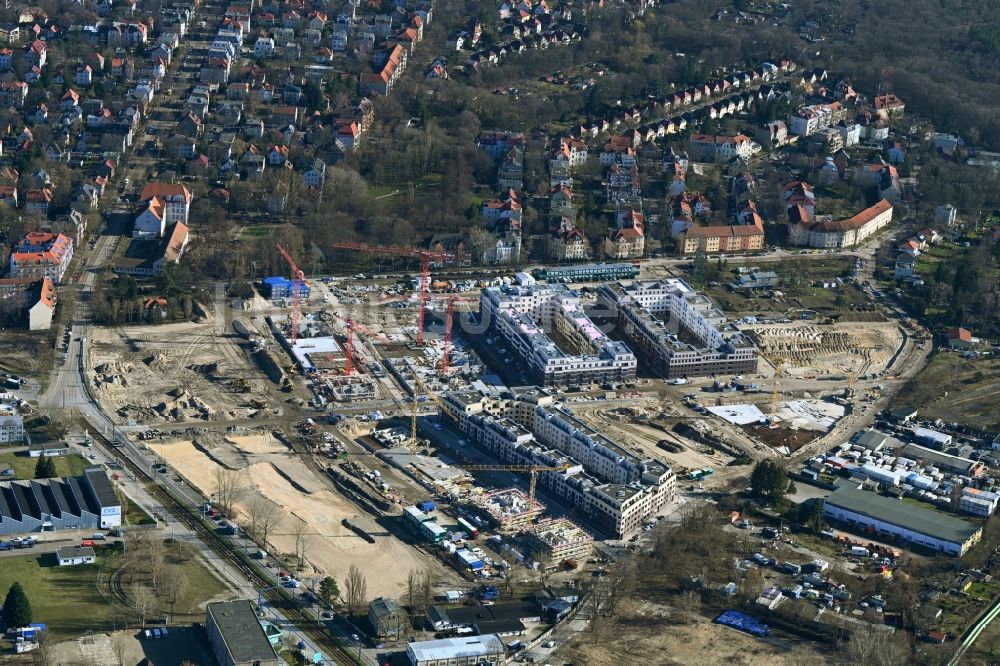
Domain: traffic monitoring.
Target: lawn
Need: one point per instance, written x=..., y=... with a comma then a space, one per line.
x=134, y=514
x=256, y=231
x=64, y=598
x=202, y=585
x=24, y=467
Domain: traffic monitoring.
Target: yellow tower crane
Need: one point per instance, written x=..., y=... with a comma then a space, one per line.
x=417, y=382
x=533, y=470
x=778, y=363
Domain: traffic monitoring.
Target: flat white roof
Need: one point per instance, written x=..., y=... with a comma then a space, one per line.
x=738, y=414
x=455, y=648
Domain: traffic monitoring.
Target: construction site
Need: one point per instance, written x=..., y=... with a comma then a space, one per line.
x=322, y=516
x=558, y=540
x=813, y=351
x=180, y=373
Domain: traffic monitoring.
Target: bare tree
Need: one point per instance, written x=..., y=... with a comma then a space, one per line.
x=264, y=517
x=158, y=569
x=426, y=592
x=871, y=644
x=621, y=583
x=412, y=583
x=230, y=485
x=143, y=602
x=355, y=590
x=173, y=585
x=119, y=647
x=299, y=533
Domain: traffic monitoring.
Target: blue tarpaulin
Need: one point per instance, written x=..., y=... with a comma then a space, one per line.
x=744, y=623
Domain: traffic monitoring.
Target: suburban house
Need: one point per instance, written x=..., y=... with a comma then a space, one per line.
x=960, y=338
x=717, y=148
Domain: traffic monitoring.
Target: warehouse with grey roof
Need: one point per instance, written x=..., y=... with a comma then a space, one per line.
x=87, y=501
x=889, y=516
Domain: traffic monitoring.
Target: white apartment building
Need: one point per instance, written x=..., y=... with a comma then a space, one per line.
x=614, y=489
x=653, y=315
x=523, y=316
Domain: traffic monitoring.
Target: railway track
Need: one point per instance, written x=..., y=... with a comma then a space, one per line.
x=190, y=517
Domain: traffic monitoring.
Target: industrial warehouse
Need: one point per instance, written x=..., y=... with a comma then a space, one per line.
x=527, y=315
x=884, y=515
x=611, y=487
x=679, y=330
x=87, y=501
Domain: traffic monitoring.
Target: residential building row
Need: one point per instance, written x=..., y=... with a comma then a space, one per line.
x=678, y=331
x=526, y=316
x=40, y=255
x=605, y=483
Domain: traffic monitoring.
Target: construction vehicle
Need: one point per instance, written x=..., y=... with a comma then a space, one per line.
x=241, y=385
x=533, y=470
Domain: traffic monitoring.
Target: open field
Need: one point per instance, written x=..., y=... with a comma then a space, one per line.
x=79, y=599
x=308, y=505
x=64, y=598
x=184, y=642
x=174, y=373
x=642, y=631
x=24, y=467
x=957, y=389
x=27, y=352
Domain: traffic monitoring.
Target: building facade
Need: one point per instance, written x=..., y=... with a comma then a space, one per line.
x=841, y=233
x=614, y=489
x=661, y=318
x=87, y=501
x=524, y=317
x=236, y=635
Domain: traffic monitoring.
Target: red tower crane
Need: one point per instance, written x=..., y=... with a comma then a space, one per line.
x=298, y=277
x=425, y=263
x=349, y=342
x=448, y=324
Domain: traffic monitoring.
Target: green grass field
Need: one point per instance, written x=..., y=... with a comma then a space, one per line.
x=24, y=467
x=256, y=231
x=74, y=600
x=64, y=598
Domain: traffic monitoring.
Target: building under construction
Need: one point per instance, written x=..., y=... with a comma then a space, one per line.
x=509, y=510
x=679, y=331
x=558, y=540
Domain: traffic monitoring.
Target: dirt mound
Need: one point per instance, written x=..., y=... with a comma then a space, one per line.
x=115, y=367
x=183, y=406
x=207, y=369
x=156, y=361
x=292, y=482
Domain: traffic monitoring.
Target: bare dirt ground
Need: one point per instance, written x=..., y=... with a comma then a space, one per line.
x=273, y=472
x=641, y=637
x=131, y=646
x=828, y=350
x=175, y=373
